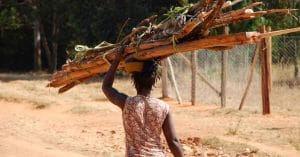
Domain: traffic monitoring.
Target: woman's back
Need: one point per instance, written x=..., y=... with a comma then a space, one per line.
x=143, y=118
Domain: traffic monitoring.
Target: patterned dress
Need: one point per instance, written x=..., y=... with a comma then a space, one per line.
x=143, y=118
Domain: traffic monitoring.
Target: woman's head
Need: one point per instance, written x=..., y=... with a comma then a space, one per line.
x=146, y=79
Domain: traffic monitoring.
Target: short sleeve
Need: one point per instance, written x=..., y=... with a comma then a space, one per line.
x=166, y=109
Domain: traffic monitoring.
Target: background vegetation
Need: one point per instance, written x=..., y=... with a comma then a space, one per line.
x=59, y=25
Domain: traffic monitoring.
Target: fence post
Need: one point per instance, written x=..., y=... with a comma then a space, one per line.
x=269, y=57
x=265, y=73
x=296, y=72
x=224, y=72
x=164, y=79
x=194, y=76
x=174, y=80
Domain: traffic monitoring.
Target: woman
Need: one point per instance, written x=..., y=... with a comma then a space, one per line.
x=144, y=117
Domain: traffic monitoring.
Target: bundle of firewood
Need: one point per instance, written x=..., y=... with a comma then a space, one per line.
x=186, y=29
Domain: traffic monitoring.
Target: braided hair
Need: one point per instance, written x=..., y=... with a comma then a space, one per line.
x=147, y=78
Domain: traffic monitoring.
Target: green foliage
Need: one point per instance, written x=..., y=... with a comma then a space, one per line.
x=10, y=19
x=175, y=11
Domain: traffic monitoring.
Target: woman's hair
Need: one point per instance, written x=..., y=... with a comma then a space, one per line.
x=147, y=78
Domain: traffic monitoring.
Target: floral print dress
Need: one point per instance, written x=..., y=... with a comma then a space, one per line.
x=143, y=118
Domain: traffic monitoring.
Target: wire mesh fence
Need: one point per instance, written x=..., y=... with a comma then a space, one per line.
x=285, y=57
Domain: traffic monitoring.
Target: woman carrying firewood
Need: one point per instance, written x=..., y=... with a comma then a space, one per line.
x=144, y=117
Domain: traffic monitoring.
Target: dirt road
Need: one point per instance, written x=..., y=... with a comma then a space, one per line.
x=56, y=132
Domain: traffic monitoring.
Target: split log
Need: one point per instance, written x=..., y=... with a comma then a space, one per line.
x=74, y=83
x=111, y=55
x=280, y=32
x=222, y=21
x=208, y=22
x=70, y=77
x=206, y=43
x=240, y=11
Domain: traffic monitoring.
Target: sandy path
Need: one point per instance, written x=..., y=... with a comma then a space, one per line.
x=16, y=147
x=55, y=132
x=18, y=137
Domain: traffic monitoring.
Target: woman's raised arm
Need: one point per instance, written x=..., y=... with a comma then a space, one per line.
x=111, y=93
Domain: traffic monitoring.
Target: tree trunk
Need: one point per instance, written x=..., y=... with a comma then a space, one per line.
x=46, y=48
x=51, y=55
x=54, y=56
x=55, y=31
x=37, y=46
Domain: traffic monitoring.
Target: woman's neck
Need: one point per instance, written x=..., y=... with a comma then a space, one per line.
x=145, y=93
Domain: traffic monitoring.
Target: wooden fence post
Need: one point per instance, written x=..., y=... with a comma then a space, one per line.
x=224, y=73
x=296, y=53
x=174, y=80
x=194, y=77
x=164, y=79
x=269, y=57
x=265, y=73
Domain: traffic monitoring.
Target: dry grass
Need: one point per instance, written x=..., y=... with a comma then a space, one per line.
x=295, y=142
x=32, y=88
x=234, y=147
